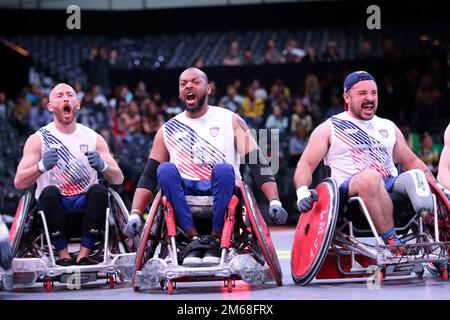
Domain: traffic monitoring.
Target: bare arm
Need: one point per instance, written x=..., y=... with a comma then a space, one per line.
x=315, y=151
x=403, y=154
x=27, y=170
x=444, y=162
x=245, y=143
x=142, y=197
x=113, y=174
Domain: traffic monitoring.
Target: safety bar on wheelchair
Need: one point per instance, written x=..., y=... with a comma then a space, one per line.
x=171, y=229
x=436, y=226
x=363, y=207
x=106, y=251
x=47, y=237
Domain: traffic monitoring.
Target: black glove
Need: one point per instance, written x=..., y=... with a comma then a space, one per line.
x=277, y=214
x=306, y=198
x=49, y=160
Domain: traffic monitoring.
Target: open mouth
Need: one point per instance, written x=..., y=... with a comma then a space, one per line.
x=368, y=106
x=66, y=110
x=190, y=96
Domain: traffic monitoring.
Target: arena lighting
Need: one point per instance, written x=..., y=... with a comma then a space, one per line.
x=16, y=48
x=424, y=38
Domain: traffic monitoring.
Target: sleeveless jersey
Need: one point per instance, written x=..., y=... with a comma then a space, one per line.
x=357, y=145
x=196, y=145
x=72, y=175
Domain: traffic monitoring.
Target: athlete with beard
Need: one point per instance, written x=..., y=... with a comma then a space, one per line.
x=197, y=153
x=361, y=149
x=64, y=158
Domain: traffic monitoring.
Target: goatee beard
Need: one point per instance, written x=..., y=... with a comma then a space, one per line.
x=197, y=108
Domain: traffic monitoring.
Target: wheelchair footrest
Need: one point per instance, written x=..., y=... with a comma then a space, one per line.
x=244, y=266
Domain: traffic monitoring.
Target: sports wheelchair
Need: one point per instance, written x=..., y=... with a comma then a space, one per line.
x=34, y=256
x=247, y=251
x=325, y=244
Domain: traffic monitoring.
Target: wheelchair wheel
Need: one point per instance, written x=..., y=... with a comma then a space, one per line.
x=262, y=233
x=150, y=237
x=120, y=216
x=443, y=211
x=314, y=233
x=21, y=218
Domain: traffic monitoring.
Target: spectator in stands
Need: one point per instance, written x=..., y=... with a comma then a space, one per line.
x=301, y=118
x=331, y=53
x=79, y=90
x=364, y=51
x=131, y=120
x=98, y=97
x=412, y=138
x=212, y=97
x=140, y=93
x=312, y=98
x=334, y=108
x=260, y=91
x=291, y=53
x=152, y=120
x=232, y=100
x=248, y=57
x=311, y=55
x=271, y=53
x=429, y=152
x=5, y=106
x=234, y=56
x=21, y=113
x=33, y=95
x=297, y=145
x=90, y=65
x=173, y=108
x=39, y=115
x=114, y=58
x=277, y=120
x=252, y=108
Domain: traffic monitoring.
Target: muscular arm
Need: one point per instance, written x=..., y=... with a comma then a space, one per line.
x=113, y=174
x=315, y=151
x=403, y=154
x=245, y=143
x=444, y=162
x=27, y=170
x=142, y=197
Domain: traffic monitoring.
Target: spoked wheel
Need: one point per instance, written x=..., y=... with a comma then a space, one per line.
x=149, y=241
x=260, y=229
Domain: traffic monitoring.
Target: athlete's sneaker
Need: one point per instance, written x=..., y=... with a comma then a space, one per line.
x=212, y=254
x=395, y=246
x=194, y=257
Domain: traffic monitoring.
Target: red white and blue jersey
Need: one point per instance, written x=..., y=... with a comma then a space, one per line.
x=196, y=145
x=357, y=145
x=72, y=175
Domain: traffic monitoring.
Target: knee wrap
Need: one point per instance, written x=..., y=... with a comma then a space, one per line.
x=414, y=185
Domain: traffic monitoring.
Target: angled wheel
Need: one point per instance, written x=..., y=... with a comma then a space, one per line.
x=262, y=233
x=21, y=218
x=150, y=237
x=314, y=233
x=120, y=215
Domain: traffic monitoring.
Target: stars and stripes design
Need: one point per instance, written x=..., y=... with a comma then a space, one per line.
x=70, y=175
x=195, y=155
x=366, y=151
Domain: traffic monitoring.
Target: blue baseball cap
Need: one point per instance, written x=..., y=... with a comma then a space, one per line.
x=353, y=78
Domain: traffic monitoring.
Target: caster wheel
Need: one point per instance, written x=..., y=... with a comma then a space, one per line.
x=111, y=282
x=229, y=285
x=170, y=287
